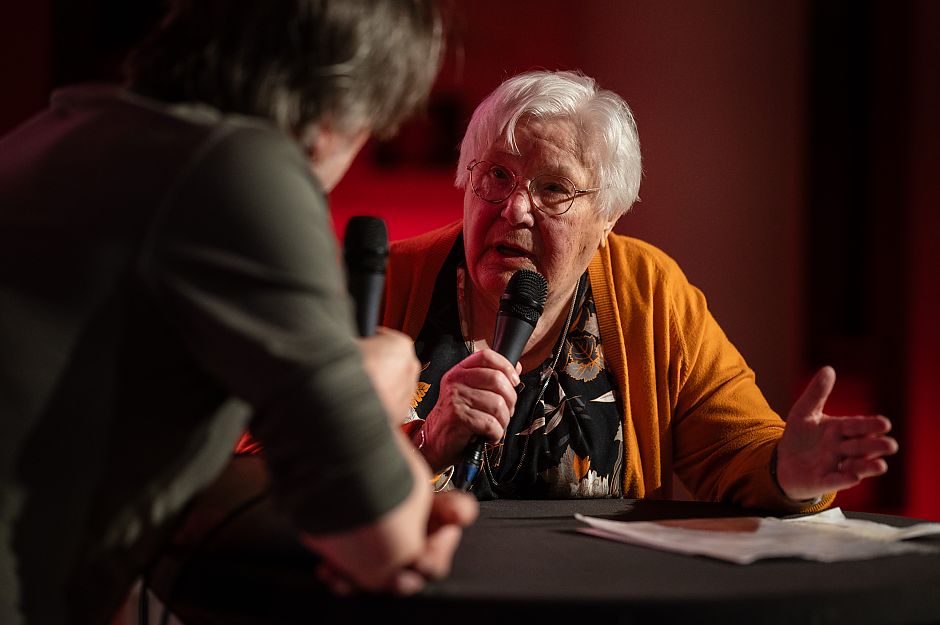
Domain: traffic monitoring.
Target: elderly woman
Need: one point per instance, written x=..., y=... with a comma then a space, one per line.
x=627, y=379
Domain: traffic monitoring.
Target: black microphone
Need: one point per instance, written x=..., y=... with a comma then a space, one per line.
x=519, y=310
x=365, y=250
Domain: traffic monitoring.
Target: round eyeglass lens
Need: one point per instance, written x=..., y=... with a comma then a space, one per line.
x=492, y=182
x=553, y=194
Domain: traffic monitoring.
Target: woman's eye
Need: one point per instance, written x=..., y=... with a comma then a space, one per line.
x=555, y=188
x=500, y=173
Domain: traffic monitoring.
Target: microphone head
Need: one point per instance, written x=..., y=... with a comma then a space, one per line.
x=365, y=245
x=525, y=296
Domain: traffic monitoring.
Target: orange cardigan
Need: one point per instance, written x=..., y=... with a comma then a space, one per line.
x=691, y=405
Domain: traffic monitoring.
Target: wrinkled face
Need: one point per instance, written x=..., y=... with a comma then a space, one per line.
x=503, y=238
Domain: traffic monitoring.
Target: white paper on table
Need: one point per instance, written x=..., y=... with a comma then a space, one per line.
x=826, y=537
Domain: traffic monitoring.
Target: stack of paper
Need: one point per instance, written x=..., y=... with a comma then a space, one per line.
x=827, y=537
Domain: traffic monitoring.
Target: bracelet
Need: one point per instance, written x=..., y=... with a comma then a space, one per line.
x=442, y=479
x=422, y=438
x=414, y=430
x=773, y=470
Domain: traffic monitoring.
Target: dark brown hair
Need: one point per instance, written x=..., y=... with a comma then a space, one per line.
x=354, y=64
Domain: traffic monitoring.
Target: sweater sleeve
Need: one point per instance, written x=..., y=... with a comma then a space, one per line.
x=244, y=263
x=413, y=266
x=724, y=432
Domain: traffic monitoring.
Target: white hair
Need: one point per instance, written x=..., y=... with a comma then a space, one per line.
x=605, y=122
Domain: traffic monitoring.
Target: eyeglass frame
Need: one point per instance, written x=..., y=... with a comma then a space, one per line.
x=528, y=188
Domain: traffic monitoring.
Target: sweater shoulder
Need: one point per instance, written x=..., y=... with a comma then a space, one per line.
x=642, y=261
x=420, y=245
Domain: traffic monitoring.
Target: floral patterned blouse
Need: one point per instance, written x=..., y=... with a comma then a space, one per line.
x=565, y=442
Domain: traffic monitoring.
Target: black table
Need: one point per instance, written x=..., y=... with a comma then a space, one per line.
x=523, y=562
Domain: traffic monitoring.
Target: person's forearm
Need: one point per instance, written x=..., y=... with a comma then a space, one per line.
x=370, y=555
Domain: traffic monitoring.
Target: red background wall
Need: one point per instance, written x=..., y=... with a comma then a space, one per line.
x=790, y=159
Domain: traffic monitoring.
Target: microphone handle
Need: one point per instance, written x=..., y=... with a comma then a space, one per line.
x=509, y=339
x=366, y=289
x=510, y=336
x=465, y=473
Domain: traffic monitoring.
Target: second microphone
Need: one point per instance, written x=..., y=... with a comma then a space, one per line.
x=365, y=249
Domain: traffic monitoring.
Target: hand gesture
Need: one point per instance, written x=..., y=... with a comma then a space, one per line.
x=819, y=453
x=477, y=398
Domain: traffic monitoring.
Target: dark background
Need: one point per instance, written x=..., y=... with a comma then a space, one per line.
x=790, y=159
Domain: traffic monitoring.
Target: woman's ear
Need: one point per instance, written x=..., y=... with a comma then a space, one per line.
x=607, y=230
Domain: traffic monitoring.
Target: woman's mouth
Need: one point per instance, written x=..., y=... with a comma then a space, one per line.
x=513, y=251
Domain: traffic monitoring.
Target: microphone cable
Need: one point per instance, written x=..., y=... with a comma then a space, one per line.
x=143, y=604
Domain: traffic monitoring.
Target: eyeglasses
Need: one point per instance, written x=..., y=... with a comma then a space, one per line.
x=494, y=183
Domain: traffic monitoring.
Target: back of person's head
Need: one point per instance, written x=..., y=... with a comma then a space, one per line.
x=608, y=130
x=350, y=64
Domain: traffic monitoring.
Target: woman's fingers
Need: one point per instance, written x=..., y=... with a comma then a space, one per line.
x=474, y=394
x=490, y=359
x=477, y=398
x=485, y=379
x=868, y=447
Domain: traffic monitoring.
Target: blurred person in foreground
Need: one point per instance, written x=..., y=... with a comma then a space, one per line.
x=627, y=380
x=168, y=269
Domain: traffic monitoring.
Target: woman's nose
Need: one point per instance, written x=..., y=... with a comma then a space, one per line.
x=519, y=209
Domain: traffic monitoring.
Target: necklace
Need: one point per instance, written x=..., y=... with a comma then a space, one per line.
x=545, y=377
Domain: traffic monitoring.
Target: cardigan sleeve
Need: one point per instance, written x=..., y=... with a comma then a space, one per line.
x=691, y=404
x=413, y=265
x=723, y=430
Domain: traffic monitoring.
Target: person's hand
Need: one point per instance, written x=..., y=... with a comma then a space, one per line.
x=477, y=398
x=450, y=512
x=820, y=453
x=389, y=360
x=410, y=544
